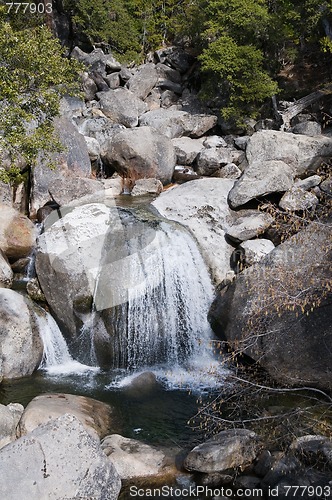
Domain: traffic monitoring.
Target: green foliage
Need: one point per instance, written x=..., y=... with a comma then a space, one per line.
x=34, y=75
x=233, y=58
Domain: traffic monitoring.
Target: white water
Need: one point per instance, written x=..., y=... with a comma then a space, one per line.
x=56, y=357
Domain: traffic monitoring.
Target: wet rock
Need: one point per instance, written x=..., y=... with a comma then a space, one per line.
x=142, y=385
x=314, y=451
x=57, y=460
x=94, y=415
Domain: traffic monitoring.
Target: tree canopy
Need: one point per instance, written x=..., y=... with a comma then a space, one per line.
x=34, y=75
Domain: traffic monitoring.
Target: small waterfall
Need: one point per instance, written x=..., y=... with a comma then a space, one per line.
x=56, y=356
x=30, y=271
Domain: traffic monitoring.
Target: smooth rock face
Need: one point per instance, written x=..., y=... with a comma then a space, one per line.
x=228, y=449
x=142, y=153
x=261, y=178
x=6, y=273
x=132, y=458
x=250, y=225
x=122, y=106
x=143, y=80
x=9, y=418
x=17, y=233
x=298, y=199
x=256, y=310
x=201, y=205
x=298, y=151
x=21, y=348
x=57, y=460
x=73, y=161
x=94, y=415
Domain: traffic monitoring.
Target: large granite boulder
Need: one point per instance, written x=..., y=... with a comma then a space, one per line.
x=122, y=106
x=21, y=347
x=6, y=273
x=143, y=80
x=72, y=162
x=17, y=233
x=142, y=153
x=201, y=205
x=9, y=418
x=94, y=415
x=59, y=459
x=278, y=311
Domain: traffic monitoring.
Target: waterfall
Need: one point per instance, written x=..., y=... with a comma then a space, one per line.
x=56, y=356
x=161, y=292
x=30, y=271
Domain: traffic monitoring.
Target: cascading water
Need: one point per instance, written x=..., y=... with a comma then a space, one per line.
x=56, y=356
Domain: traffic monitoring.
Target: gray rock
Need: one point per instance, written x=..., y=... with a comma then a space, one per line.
x=261, y=178
x=201, y=205
x=299, y=151
x=93, y=148
x=64, y=192
x=298, y=199
x=89, y=87
x=9, y=418
x=175, y=123
x=289, y=344
x=6, y=196
x=255, y=250
x=143, y=80
x=113, y=80
x=214, y=141
x=142, y=153
x=141, y=386
x=34, y=291
x=227, y=450
x=309, y=128
x=229, y=171
x=147, y=187
x=122, y=106
x=167, y=73
x=187, y=149
x=326, y=186
x=94, y=415
x=100, y=128
x=211, y=159
x=57, y=460
x=249, y=225
x=95, y=60
x=125, y=74
x=71, y=108
x=112, y=64
x=131, y=458
x=17, y=233
x=153, y=101
x=176, y=88
x=21, y=347
x=167, y=99
x=241, y=142
x=6, y=273
x=73, y=161
x=309, y=182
